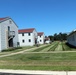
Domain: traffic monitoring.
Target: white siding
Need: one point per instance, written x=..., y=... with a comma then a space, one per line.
x=0, y=37
x=26, y=38
x=41, y=39
x=72, y=39
x=47, y=41
x=4, y=35
x=34, y=36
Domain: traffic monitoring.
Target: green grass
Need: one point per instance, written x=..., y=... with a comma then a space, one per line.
x=45, y=48
x=41, y=48
x=59, y=47
x=54, y=46
x=66, y=47
x=50, y=59
x=40, y=61
x=13, y=50
x=54, y=68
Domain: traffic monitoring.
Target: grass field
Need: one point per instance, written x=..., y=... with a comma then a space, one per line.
x=56, y=56
x=55, y=46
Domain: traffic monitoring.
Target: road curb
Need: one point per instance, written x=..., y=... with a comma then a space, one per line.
x=33, y=72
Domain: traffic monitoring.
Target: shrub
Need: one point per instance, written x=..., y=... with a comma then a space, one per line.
x=11, y=49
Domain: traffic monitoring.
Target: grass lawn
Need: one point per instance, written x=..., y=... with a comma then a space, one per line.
x=56, y=56
x=40, y=61
x=16, y=50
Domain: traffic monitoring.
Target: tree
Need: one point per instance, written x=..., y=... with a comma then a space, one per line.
x=55, y=36
x=51, y=37
x=58, y=37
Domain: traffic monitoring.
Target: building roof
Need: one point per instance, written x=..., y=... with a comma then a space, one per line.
x=3, y=19
x=6, y=18
x=40, y=33
x=26, y=30
x=47, y=38
x=74, y=31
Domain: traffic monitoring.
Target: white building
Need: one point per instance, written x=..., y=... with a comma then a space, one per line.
x=27, y=37
x=41, y=37
x=71, y=39
x=47, y=40
x=8, y=33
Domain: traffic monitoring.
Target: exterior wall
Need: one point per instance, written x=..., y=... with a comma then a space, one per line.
x=72, y=39
x=4, y=33
x=26, y=38
x=0, y=38
x=34, y=36
x=47, y=41
x=41, y=39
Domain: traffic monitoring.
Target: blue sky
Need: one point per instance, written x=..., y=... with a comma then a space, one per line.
x=48, y=16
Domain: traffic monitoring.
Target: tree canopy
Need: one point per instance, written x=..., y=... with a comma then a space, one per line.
x=58, y=37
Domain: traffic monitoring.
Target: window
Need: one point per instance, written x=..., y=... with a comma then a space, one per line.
x=22, y=34
x=10, y=22
x=8, y=28
x=29, y=40
x=40, y=35
x=40, y=40
x=18, y=43
x=29, y=34
x=23, y=41
x=73, y=38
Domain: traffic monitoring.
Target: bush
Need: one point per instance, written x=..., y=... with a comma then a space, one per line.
x=11, y=49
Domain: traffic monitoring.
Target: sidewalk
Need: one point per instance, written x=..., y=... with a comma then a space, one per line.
x=33, y=72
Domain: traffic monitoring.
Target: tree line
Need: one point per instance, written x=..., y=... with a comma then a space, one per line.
x=58, y=37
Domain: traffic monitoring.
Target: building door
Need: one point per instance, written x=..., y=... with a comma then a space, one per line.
x=35, y=41
x=10, y=42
